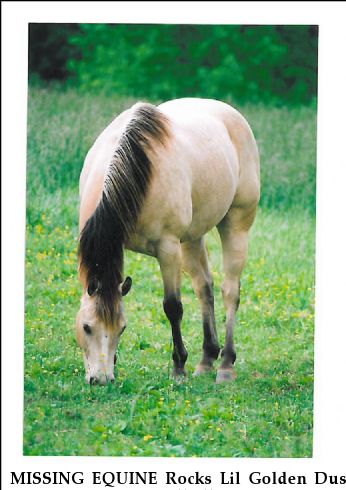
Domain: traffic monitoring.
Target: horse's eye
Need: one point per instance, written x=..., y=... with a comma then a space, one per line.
x=87, y=328
x=122, y=330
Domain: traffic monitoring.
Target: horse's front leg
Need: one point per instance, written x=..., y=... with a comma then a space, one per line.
x=169, y=256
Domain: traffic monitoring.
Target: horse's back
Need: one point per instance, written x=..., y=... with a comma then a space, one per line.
x=203, y=114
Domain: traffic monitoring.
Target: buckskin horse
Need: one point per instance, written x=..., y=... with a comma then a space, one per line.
x=156, y=180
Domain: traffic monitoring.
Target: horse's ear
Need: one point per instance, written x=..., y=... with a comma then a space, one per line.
x=93, y=286
x=125, y=286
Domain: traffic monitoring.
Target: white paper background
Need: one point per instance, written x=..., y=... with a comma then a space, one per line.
x=330, y=338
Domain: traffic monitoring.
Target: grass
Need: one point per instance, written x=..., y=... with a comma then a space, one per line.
x=63, y=125
x=268, y=410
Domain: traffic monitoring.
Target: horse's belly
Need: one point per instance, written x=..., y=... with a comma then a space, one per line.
x=209, y=208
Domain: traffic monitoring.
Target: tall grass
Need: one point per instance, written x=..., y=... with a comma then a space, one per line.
x=62, y=126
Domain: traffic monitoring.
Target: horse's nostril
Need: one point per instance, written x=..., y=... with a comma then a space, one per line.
x=92, y=380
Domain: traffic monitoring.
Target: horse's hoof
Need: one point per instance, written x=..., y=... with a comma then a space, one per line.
x=202, y=369
x=179, y=374
x=225, y=376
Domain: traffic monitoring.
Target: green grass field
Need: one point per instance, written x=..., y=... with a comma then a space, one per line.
x=268, y=410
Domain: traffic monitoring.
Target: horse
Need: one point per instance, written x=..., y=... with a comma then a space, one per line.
x=155, y=181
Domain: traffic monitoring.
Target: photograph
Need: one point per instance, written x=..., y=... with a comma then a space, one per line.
x=170, y=240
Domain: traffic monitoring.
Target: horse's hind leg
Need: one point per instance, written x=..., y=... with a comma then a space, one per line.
x=169, y=257
x=195, y=262
x=233, y=230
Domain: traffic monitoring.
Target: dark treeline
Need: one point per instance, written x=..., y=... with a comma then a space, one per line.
x=272, y=64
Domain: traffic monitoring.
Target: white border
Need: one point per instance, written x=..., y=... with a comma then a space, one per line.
x=330, y=370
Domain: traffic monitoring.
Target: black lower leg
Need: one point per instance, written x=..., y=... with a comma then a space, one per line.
x=228, y=352
x=174, y=311
x=211, y=345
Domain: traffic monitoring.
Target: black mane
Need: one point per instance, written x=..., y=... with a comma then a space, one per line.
x=101, y=241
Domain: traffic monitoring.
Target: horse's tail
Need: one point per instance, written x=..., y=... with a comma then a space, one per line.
x=125, y=187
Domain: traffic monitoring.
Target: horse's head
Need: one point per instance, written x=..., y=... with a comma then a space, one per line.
x=98, y=334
